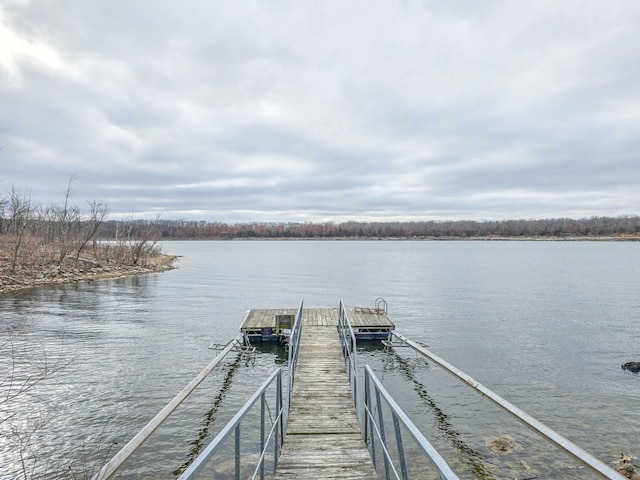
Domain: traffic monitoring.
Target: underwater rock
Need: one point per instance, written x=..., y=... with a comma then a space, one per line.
x=625, y=467
x=502, y=445
x=632, y=367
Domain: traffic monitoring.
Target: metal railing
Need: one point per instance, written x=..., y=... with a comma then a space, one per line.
x=118, y=460
x=372, y=431
x=349, y=350
x=294, y=348
x=279, y=428
x=555, y=438
x=365, y=409
x=233, y=427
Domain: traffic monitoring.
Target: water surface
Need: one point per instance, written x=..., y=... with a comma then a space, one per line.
x=544, y=324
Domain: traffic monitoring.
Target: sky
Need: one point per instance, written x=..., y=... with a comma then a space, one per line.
x=293, y=111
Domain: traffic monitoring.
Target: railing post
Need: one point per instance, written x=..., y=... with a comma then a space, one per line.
x=262, y=419
x=403, y=463
x=237, y=452
x=368, y=421
x=278, y=440
x=383, y=438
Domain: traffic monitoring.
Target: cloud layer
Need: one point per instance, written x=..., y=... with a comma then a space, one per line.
x=294, y=111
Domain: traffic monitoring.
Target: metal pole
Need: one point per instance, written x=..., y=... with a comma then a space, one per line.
x=368, y=421
x=262, y=420
x=279, y=437
x=403, y=463
x=237, y=453
x=569, y=447
x=381, y=429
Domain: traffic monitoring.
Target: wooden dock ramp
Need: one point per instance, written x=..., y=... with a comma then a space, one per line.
x=323, y=435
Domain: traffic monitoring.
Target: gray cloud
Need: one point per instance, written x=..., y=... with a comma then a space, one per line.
x=324, y=110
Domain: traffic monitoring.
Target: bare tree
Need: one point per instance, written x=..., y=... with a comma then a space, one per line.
x=142, y=241
x=97, y=212
x=20, y=210
x=3, y=221
x=67, y=219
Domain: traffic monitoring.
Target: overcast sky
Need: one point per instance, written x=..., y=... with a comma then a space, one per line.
x=277, y=110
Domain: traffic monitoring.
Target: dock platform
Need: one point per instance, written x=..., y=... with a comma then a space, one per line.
x=270, y=325
x=323, y=434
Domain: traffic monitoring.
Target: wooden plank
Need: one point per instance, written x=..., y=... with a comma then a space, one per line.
x=365, y=318
x=266, y=318
x=323, y=434
x=325, y=456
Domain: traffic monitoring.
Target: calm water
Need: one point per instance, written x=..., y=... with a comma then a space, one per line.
x=544, y=324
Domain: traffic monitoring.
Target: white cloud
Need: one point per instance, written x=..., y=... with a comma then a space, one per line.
x=321, y=110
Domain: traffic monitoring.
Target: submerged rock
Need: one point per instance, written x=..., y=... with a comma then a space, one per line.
x=502, y=445
x=625, y=467
x=632, y=367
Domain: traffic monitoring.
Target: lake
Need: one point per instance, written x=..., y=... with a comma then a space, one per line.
x=546, y=325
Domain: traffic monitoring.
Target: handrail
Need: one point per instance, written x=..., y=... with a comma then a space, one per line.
x=350, y=352
x=234, y=427
x=119, y=458
x=569, y=447
x=399, y=417
x=294, y=348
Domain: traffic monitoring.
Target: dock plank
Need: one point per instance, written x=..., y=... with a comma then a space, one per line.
x=323, y=434
x=257, y=319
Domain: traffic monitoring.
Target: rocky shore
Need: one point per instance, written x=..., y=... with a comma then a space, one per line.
x=85, y=270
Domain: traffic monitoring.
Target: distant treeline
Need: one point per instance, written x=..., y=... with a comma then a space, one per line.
x=626, y=226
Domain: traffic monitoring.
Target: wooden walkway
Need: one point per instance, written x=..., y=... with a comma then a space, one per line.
x=323, y=435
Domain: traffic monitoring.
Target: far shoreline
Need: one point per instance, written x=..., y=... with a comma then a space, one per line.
x=496, y=238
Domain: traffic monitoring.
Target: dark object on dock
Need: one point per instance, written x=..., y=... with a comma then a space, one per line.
x=632, y=367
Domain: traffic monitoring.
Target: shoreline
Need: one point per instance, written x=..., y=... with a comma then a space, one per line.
x=86, y=271
x=490, y=238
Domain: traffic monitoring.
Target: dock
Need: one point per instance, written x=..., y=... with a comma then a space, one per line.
x=270, y=325
x=314, y=431
x=323, y=434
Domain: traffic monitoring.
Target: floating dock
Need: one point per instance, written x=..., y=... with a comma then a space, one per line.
x=323, y=434
x=272, y=325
